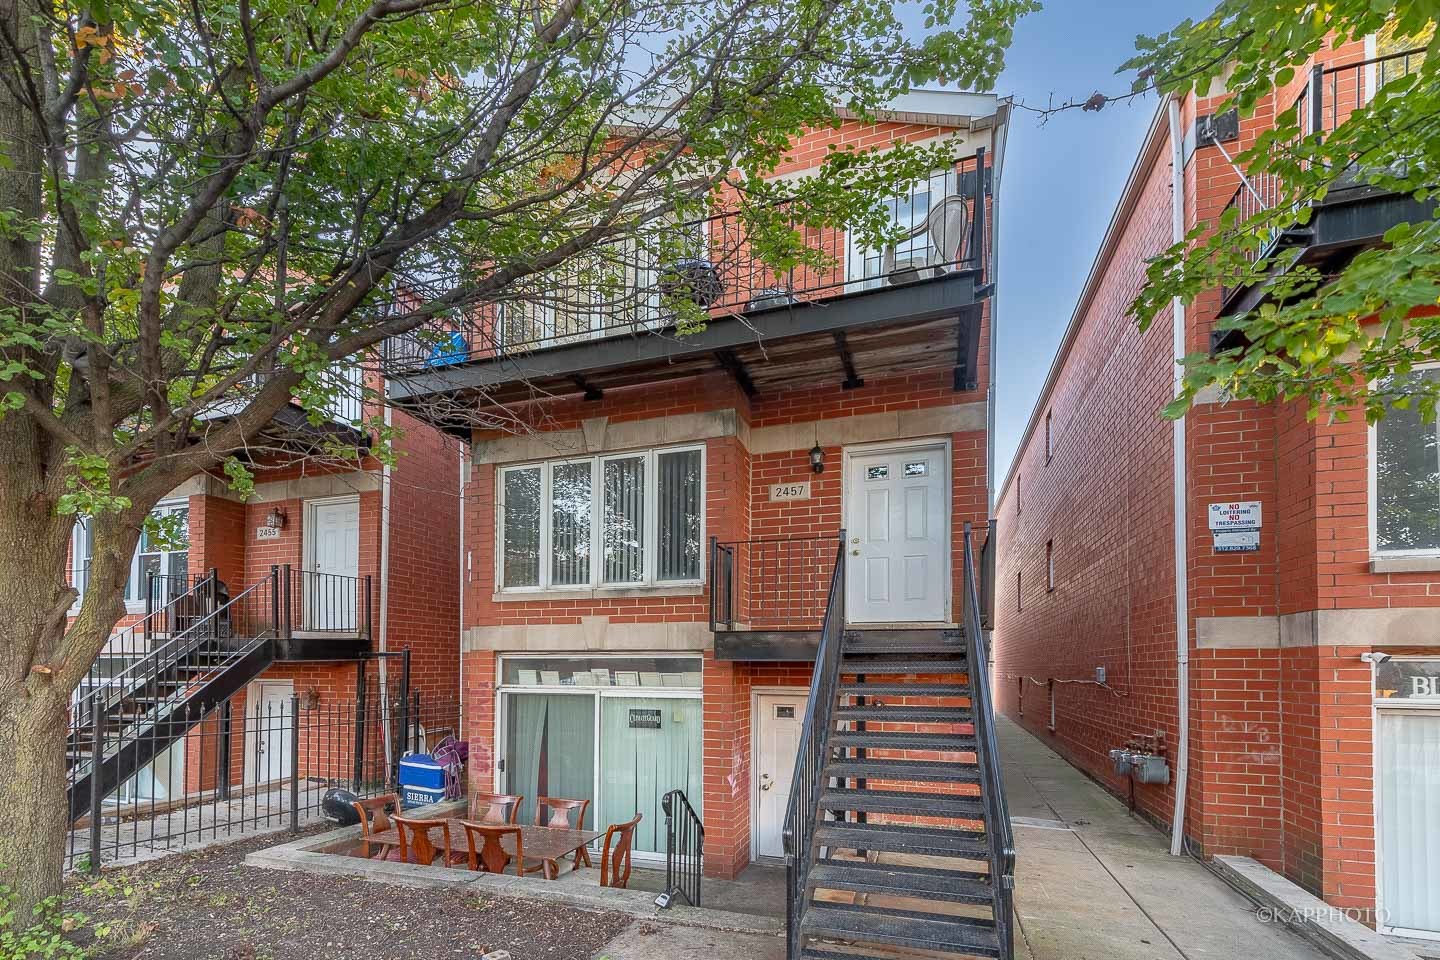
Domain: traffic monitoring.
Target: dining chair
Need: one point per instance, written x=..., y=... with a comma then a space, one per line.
x=495, y=808
x=615, y=865
x=487, y=848
x=375, y=818
x=418, y=843
x=557, y=812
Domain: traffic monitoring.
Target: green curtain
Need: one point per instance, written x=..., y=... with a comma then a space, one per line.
x=639, y=764
x=549, y=748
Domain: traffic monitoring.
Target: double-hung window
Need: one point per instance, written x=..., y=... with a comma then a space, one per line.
x=157, y=556
x=1407, y=480
x=630, y=519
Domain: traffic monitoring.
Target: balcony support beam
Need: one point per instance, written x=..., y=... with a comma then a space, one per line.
x=967, y=349
x=733, y=366
x=589, y=389
x=847, y=360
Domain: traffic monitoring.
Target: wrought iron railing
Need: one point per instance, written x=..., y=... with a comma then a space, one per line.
x=987, y=754
x=631, y=285
x=317, y=602
x=988, y=550
x=1330, y=95
x=684, y=850
x=803, y=810
x=779, y=584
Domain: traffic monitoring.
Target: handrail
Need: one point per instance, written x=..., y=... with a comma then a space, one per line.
x=992, y=785
x=684, y=850
x=775, y=583
x=803, y=809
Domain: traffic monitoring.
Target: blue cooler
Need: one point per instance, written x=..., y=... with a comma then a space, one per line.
x=422, y=781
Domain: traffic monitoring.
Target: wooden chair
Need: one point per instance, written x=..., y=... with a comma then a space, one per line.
x=375, y=818
x=556, y=812
x=495, y=808
x=615, y=866
x=487, y=848
x=418, y=843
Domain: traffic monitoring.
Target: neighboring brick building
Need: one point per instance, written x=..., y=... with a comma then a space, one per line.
x=1296, y=755
x=312, y=544
x=647, y=557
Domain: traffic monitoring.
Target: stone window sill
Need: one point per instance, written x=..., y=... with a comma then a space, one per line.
x=1424, y=564
x=602, y=593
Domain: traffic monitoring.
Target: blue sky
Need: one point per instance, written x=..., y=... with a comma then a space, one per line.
x=1062, y=180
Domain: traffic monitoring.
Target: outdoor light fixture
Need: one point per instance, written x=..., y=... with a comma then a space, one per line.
x=275, y=519
x=817, y=459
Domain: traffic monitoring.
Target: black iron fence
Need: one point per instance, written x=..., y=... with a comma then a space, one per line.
x=684, y=850
x=1328, y=98
x=802, y=815
x=780, y=584
x=632, y=285
x=255, y=764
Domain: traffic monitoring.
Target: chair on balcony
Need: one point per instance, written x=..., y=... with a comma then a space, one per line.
x=615, y=863
x=948, y=229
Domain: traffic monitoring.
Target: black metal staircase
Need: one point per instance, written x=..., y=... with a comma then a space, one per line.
x=897, y=835
x=162, y=676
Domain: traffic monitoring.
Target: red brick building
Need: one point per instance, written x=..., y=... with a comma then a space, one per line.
x=647, y=559
x=335, y=568
x=1245, y=559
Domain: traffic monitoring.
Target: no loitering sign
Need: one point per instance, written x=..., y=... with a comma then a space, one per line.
x=1235, y=526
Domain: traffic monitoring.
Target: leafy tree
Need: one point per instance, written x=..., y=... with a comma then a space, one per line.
x=1320, y=339
x=206, y=205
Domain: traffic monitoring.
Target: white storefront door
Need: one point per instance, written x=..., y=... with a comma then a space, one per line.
x=779, y=720
x=1407, y=767
x=897, y=528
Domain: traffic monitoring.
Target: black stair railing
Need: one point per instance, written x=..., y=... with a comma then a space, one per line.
x=992, y=786
x=803, y=810
x=684, y=850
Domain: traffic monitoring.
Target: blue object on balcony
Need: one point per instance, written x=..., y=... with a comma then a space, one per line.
x=453, y=349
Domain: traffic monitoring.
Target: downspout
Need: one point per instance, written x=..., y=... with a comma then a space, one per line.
x=997, y=166
x=1182, y=584
x=385, y=594
x=460, y=624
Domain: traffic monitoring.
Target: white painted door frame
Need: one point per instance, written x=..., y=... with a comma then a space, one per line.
x=307, y=532
x=757, y=696
x=847, y=493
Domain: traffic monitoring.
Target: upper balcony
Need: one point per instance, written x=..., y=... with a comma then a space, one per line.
x=1353, y=214
x=610, y=322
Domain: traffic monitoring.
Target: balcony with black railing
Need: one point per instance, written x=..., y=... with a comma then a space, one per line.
x=768, y=596
x=1353, y=213
x=695, y=298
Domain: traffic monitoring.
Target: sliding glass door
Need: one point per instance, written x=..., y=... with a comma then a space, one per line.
x=618, y=731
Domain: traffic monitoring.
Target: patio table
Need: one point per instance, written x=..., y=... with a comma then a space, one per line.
x=548, y=844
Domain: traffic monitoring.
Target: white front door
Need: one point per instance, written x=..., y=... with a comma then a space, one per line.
x=267, y=739
x=778, y=723
x=897, y=527
x=332, y=564
x=1407, y=765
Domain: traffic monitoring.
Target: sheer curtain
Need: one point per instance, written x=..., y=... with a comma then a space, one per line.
x=549, y=749
x=1409, y=747
x=640, y=764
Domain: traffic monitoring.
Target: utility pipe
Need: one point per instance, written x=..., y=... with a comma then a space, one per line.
x=1182, y=583
x=385, y=593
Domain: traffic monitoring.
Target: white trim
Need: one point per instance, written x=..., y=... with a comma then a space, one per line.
x=922, y=443
x=308, y=524
x=650, y=550
x=254, y=697
x=756, y=694
x=1376, y=708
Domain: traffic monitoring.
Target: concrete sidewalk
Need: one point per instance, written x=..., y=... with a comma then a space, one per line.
x=1094, y=882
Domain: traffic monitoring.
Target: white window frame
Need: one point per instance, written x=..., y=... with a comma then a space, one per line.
x=1372, y=495
x=81, y=547
x=650, y=548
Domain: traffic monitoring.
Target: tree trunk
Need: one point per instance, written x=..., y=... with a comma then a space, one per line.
x=33, y=723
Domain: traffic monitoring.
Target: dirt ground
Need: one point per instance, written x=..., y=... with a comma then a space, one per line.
x=209, y=906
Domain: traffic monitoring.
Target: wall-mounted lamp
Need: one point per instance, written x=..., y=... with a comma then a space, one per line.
x=817, y=459
x=275, y=519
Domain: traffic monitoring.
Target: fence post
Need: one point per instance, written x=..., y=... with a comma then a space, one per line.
x=360, y=710
x=294, y=763
x=369, y=616
x=222, y=754
x=150, y=605
x=275, y=598
x=97, y=791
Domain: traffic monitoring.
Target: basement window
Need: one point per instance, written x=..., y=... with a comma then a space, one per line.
x=632, y=519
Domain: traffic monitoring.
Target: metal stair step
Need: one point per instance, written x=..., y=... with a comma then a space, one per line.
x=902, y=928
x=919, y=883
x=902, y=838
x=918, y=664
x=903, y=740
x=906, y=714
x=904, y=689
x=904, y=641
x=913, y=802
x=919, y=771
